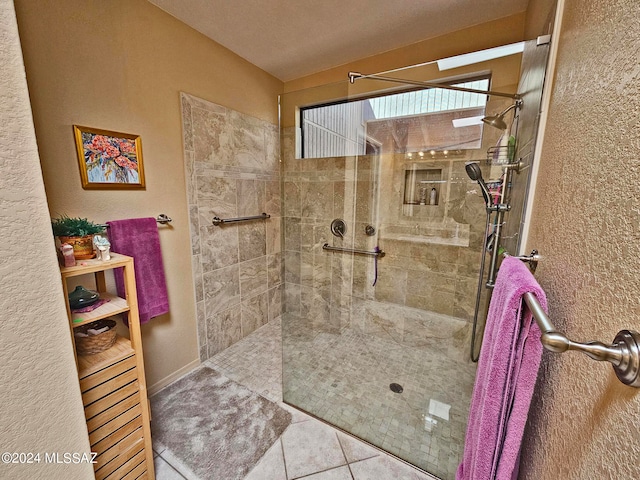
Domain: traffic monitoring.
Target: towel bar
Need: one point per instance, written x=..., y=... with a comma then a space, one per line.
x=161, y=219
x=623, y=353
x=328, y=247
x=221, y=221
x=532, y=259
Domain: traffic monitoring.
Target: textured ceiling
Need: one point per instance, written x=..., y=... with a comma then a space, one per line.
x=290, y=39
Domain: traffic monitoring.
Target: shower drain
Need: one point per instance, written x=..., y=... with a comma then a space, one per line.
x=396, y=388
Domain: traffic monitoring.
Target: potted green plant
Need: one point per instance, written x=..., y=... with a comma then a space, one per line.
x=77, y=232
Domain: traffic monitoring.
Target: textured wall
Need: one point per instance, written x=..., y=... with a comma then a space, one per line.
x=539, y=18
x=41, y=406
x=584, y=423
x=233, y=170
x=120, y=65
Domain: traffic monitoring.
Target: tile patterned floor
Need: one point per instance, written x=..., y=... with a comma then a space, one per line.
x=311, y=449
x=343, y=376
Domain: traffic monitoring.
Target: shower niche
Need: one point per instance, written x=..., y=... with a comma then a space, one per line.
x=423, y=186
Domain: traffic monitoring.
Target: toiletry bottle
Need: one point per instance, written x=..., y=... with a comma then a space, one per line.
x=423, y=195
x=67, y=255
x=503, y=148
x=512, y=148
x=433, y=196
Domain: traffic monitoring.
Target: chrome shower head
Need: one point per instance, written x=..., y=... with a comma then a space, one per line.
x=475, y=174
x=497, y=121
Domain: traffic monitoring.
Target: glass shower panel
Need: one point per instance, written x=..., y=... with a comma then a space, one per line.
x=379, y=345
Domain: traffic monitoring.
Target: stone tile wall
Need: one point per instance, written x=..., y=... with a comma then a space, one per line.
x=432, y=253
x=232, y=170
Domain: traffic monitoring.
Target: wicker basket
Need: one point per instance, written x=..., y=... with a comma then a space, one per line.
x=95, y=343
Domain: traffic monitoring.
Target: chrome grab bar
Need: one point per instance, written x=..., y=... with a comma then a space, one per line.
x=328, y=247
x=623, y=353
x=221, y=221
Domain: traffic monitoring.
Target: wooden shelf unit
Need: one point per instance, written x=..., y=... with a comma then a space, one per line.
x=89, y=364
x=112, y=382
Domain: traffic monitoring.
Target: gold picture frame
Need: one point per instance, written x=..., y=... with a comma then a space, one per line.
x=109, y=160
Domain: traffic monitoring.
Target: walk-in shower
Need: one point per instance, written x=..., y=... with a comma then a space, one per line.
x=379, y=306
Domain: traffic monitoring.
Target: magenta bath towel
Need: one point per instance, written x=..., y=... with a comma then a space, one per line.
x=138, y=238
x=506, y=377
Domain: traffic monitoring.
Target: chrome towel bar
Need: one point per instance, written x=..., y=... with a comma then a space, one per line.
x=532, y=259
x=221, y=221
x=161, y=219
x=378, y=254
x=623, y=353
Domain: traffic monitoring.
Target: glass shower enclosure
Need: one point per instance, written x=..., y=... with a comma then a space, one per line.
x=377, y=310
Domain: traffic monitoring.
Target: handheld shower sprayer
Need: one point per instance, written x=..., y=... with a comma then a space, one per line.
x=475, y=174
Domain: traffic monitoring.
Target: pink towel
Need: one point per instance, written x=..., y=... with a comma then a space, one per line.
x=138, y=238
x=506, y=377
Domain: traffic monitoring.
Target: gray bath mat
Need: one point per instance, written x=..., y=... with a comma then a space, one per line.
x=215, y=426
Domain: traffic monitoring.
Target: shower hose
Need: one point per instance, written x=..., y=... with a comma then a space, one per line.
x=487, y=236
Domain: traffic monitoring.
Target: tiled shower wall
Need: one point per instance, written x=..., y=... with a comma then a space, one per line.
x=319, y=283
x=432, y=252
x=232, y=170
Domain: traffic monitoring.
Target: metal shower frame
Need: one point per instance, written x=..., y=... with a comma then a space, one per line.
x=353, y=76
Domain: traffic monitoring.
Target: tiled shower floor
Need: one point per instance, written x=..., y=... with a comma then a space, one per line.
x=344, y=375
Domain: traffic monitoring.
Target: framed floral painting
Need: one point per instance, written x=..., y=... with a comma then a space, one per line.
x=109, y=159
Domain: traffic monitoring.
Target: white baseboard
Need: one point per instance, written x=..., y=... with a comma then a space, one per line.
x=156, y=387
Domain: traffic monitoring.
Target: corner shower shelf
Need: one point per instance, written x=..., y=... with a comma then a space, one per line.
x=501, y=156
